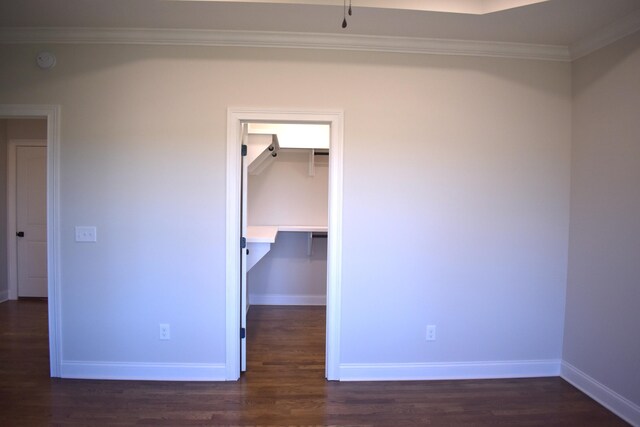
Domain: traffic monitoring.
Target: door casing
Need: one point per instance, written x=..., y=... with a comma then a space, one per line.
x=235, y=118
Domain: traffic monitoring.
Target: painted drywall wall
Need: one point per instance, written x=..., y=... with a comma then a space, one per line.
x=288, y=275
x=4, y=286
x=456, y=184
x=603, y=291
x=285, y=194
x=27, y=129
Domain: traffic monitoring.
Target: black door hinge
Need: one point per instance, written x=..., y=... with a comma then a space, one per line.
x=243, y=333
x=244, y=150
x=243, y=242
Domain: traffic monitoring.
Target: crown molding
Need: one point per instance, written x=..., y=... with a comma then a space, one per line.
x=182, y=37
x=606, y=35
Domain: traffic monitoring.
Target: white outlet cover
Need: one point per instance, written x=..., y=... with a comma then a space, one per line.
x=85, y=233
x=46, y=60
x=431, y=333
x=165, y=331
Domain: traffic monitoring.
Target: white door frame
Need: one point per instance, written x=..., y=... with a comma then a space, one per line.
x=235, y=118
x=12, y=240
x=52, y=114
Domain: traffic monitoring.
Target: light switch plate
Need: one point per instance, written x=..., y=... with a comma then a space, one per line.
x=86, y=234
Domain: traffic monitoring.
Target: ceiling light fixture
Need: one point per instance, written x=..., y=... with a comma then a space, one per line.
x=344, y=12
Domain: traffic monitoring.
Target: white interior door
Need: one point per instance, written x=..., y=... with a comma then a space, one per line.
x=31, y=220
x=244, y=301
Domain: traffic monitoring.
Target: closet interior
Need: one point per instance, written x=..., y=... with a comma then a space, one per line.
x=286, y=213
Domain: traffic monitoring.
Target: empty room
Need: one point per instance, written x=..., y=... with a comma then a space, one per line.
x=319, y=212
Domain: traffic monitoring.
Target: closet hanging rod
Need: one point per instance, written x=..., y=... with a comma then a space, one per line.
x=319, y=235
x=321, y=153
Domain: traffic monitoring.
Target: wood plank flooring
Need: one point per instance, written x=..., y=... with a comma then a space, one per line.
x=284, y=386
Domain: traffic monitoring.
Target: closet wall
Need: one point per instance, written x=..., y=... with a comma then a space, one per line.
x=285, y=194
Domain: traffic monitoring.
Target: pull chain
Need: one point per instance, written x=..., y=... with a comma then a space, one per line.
x=344, y=12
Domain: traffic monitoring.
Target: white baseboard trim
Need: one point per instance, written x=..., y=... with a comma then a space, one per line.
x=4, y=296
x=144, y=371
x=449, y=371
x=619, y=405
x=273, y=299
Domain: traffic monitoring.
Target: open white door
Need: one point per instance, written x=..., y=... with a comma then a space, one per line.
x=244, y=302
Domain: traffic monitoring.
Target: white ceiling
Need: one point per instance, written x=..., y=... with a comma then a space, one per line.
x=553, y=22
x=477, y=7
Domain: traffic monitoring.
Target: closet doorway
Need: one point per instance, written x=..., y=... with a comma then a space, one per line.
x=255, y=139
x=31, y=143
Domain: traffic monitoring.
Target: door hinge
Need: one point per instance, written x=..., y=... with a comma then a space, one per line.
x=244, y=149
x=243, y=333
x=243, y=242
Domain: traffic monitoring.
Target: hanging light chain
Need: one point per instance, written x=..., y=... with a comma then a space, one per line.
x=344, y=12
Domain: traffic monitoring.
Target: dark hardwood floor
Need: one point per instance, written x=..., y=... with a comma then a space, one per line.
x=284, y=386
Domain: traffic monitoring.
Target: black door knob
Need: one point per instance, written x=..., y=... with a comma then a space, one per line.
x=20, y=234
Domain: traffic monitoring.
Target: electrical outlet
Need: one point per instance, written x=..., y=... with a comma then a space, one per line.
x=431, y=332
x=165, y=331
x=86, y=233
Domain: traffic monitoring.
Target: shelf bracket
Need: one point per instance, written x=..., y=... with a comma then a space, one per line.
x=312, y=162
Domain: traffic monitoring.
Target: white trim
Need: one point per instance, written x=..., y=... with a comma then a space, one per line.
x=619, y=405
x=235, y=117
x=302, y=228
x=143, y=371
x=449, y=371
x=606, y=35
x=181, y=37
x=334, y=247
x=4, y=296
x=52, y=114
x=12, y=241
x=277, y=299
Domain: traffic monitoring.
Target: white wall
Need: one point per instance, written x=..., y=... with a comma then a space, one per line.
x=602, y=317
x=456, y=185
x=26, y=129
x=287, y=275
x=285, y=194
